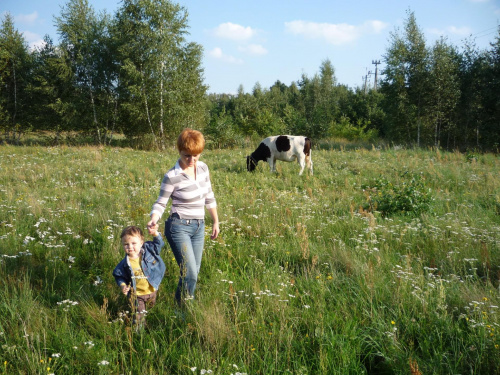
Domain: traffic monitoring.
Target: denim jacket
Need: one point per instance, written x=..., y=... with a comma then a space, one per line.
x=152, y=265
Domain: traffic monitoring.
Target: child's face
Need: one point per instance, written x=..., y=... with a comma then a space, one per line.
x=132, y=245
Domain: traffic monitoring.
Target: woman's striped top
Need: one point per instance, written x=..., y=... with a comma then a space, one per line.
x=189, y=196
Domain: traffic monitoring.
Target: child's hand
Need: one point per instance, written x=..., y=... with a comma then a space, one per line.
x=125, y=288
x=153, y=229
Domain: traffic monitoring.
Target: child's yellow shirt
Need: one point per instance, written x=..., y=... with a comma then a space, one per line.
x=142, y=284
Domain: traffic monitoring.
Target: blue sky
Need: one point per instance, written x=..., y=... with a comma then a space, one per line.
x=250, y=41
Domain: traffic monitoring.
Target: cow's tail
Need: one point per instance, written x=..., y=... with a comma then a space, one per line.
x=307, y=152
x=307, y=147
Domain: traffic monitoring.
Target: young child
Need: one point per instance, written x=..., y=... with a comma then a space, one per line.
x=140, y=273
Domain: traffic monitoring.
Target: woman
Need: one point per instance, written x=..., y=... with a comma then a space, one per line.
x=188, y=185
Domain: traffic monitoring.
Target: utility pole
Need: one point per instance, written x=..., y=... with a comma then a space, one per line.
x=375, y=62
x=365, y=81
x=368, y=74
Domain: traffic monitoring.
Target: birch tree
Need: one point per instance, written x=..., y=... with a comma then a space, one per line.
x=162, y=79
x=445, y=93
x=84, y=37
x=406, y=83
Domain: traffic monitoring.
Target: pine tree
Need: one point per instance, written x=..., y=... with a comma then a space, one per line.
x=15, y=69
x=491, y=131
x=52, y=90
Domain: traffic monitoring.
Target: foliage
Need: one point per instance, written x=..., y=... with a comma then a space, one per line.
x=51, y=89
x=446, y=93
x=489, y=128
x=135, y=73
x=406, y=83
x=161, y=74
x=15, y=68
x=409, y=197
x=87, y=48
x=364, y=107
x=221, y=133
x=471, y=157
x=344, y=129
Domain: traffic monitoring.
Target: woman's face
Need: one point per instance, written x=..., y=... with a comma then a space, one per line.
x=187, y=159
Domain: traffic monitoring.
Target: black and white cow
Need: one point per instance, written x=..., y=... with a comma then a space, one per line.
x=282, y=147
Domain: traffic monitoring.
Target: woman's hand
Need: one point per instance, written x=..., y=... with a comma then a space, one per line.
x=153, y=229
x=215, y=231
x=215, y=222
x=154, y=221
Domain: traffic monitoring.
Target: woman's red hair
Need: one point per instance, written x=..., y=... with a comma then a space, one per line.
x=191, y=141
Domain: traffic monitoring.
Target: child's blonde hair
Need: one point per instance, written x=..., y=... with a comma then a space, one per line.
x=132, y=230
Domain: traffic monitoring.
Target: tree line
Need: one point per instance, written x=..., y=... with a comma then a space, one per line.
x=135, y=73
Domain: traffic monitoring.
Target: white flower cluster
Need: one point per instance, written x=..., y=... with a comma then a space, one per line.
x=89, y=344
x=66, y=304
x=204, y=372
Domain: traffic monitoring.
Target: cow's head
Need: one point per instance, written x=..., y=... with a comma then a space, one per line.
x=251, y=164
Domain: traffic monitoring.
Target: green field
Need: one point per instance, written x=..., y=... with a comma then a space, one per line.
x=385, y=261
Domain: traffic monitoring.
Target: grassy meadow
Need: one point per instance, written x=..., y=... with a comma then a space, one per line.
x=385, y=261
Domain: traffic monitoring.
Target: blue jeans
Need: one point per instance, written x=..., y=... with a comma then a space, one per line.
x=186, y=238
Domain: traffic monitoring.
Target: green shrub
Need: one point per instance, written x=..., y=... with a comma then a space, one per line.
x=345, y=129
x=471, y=157
x=410, y=197
x=220, y=132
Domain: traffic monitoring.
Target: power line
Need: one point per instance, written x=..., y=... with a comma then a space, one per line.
x=488, y=31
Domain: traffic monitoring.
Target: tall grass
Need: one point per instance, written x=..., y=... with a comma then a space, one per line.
x=306, y=277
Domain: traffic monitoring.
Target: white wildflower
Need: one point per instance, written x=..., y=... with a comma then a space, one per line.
x=28, y=239
x=90, y=344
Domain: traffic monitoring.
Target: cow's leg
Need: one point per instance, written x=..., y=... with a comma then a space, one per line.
x=302, y=162
x=272, y=163
x=309, y=163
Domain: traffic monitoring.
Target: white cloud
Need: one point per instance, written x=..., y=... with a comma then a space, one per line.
x=253, y=49
x=26, y=19
x=451, y=30
x=336, y=34
x=233, y=31
x=217, y=53
x=33, y=39
x=463, y=31
x=29, y=36
x=40, y=43
x=375, y=26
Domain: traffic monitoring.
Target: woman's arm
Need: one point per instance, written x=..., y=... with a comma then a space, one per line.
x=215, y=222
x=166, y=189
